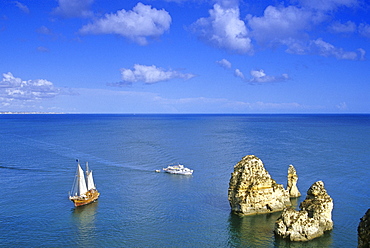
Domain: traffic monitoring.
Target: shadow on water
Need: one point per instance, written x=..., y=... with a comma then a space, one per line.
x=84, y=220
x=320, y=242
x=251, y=231
x=258, y=231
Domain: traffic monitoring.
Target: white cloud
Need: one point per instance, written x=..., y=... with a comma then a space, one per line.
x=348, y=27
x=138, y=24
x=239, y=74
x=150, y=74
x=342, y=106
x=12, y=88
x=222, y=105
x=328, y=5
x=42, y=49
x=22, y=7
x=74, y=8
x=325, y=49
x=279, y=24
x=44, y=30
x=282, y=25
x=224, y=63
x=290, y=26
x=364, y=30
x=259, y=76
x=361, y=53
x=224, y=29
x=279, y=106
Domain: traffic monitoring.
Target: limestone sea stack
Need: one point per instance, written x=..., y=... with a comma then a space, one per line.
x=253, y=191
x=312, y=220
x=364, y=231
x=292, y=182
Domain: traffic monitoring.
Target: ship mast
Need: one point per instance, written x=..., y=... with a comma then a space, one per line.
x=79, y=184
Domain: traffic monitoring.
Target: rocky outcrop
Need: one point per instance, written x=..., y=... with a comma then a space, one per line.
x=253, y=191
x=364, y=231
x=312, y=220
x=292, y=182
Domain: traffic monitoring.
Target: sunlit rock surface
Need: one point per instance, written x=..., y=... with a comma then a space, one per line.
x=292, y=182
x=312, y=220
x=253, y=191
x=364, y=231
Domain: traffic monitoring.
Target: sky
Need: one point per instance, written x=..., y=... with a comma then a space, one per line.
x=185, y=56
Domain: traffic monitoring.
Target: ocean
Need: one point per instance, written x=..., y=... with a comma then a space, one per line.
x=141, y=208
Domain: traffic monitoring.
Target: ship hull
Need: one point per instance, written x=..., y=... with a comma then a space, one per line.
x=90, y=197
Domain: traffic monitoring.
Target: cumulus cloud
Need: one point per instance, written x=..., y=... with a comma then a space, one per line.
x=224, y=63
x=137, y=24
x=259, y=76
x=290, y=26
x=12, y=88
x=74, y=8
x=239, y=74
x=150, y=74
x=224, y=29
x=22, y=7
x=279, y=24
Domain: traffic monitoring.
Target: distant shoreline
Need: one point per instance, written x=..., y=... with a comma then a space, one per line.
x=140, y=114
x=28, y=113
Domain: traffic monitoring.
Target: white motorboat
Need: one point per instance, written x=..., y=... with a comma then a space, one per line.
x=178, y=169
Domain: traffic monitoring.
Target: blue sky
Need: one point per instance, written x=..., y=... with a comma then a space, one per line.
x=185, y=56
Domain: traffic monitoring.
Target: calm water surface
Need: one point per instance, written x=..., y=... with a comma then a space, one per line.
x=141, y=208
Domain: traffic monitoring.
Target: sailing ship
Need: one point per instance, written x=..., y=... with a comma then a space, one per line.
x=83, y=191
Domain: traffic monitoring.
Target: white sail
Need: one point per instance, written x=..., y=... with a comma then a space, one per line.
x=79, y=185
x=82, y=182
x=89, y=178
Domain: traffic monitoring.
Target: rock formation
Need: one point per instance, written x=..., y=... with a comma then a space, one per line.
x=292, y=182
x=312, y=220
x=253, y=191
x=364, y=231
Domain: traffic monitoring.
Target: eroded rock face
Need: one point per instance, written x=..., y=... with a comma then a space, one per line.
x=312, y=220
x=292, y=182
x=253, y=191
x=364, y=231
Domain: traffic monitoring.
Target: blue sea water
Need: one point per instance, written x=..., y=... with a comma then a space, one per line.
x=141, y=208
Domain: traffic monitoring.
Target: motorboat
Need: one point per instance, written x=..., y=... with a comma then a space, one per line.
x=178, y=169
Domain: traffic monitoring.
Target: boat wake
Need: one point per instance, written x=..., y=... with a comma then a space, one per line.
x=70, y=154
x=21, y=169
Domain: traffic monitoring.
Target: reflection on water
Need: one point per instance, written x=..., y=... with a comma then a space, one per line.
x=251, y=231
x=295, y=202
x=258, y=230
x=84, y=220
x=320, y=242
